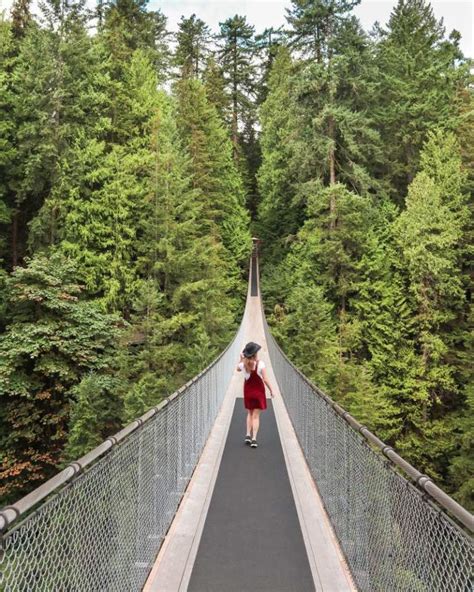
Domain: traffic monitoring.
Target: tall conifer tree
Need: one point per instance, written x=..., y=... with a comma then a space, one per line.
x=192, y=51
x=419, y=74
x=236, y=59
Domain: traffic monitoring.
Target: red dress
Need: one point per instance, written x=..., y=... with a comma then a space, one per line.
x=254, y=391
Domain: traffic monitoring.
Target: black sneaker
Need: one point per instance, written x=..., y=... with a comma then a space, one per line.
x=248, y=439
x=253, y=444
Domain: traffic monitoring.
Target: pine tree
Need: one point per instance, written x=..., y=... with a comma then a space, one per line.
x=315, y=25
x=419, y=73
x=192, y=51
x=128, y=26
x=337, y=138
x=101, y=195
x=95, y=413
x=278, y=218
x=268, y=44
x=214, y=83
x=214, y=172
x=20, y=17
x=58, y=84
x=7, y=133
x=236, y=37
x=430, y=234
x=184, y=312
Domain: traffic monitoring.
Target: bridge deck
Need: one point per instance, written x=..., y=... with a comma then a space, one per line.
x=251, y=519
x=252, y=539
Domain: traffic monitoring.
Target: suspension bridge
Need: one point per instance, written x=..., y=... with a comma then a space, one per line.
x=175, y=501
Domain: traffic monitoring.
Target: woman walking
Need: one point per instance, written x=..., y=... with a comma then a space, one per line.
x=254, y=389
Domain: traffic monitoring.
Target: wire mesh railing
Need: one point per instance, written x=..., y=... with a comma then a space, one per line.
x=103, y=529
x=395, y=539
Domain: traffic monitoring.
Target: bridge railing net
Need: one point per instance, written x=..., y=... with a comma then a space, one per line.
x=102, y=531
x=393, y=538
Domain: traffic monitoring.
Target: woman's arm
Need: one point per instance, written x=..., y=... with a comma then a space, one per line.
x=266, y=381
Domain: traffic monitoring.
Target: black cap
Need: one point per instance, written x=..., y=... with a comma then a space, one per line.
x=251, y=349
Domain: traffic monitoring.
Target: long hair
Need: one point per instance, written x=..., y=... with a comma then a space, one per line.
x=250, y=363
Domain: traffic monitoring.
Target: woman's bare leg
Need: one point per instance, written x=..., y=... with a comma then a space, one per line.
x=255, y=422
x=249, y=422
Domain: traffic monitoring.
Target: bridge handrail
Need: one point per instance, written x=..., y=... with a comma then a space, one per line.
x=421, y=480
x=9, y=514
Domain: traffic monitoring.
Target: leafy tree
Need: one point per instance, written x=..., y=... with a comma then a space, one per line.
x=53, y=338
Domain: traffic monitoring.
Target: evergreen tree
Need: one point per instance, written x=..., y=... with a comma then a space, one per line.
x=236, y=59
x=278, y=218
x=54, y=337
x=337, y=139
x=101, y=195
x=7, y=132
x=214, y=172
x=128, y=26
x=95, y=413
x=55, y=81
x=183, y=313
x=214, y=83
x=268, y=44
x=419, y=73
x=430, y=234
x=193, y=39
x=315, y=25
x=20, y=17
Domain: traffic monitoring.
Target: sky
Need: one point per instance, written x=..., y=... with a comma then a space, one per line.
x=457, y=14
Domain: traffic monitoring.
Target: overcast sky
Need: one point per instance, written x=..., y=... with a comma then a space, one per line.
x=457, y=14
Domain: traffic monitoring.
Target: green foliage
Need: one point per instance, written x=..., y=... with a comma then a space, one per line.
x=214, y=172
x=278, y=218
x=7, y=147
x=134, y=201
x=185, y=308
x=53, y=338
x=419, y=74
x=193, y=46
x=128, y=26
x=371, y=303
x=95, y=413
x=236, y=60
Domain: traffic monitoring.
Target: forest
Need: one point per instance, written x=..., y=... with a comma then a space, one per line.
x=136, y=164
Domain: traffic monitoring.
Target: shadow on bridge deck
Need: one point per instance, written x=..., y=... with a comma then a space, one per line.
x=251, y=519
